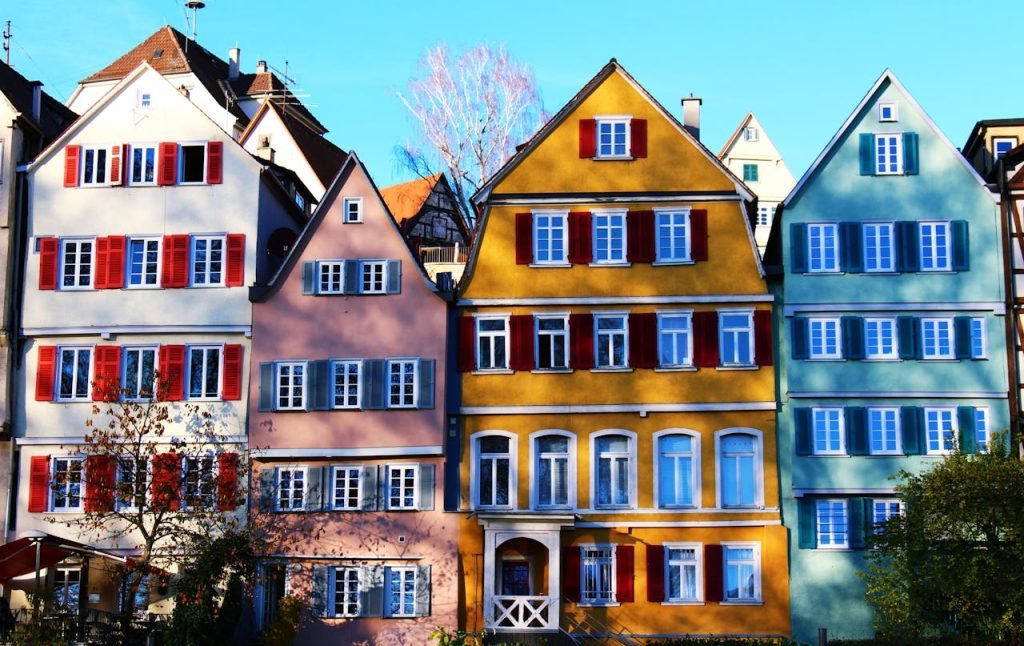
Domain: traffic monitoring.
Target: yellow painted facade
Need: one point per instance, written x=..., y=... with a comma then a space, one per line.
x=507, y=531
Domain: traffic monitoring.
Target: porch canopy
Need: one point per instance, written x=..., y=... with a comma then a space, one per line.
x=18, y=557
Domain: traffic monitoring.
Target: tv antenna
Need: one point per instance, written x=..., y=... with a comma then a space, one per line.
x=7, y=43
x=195, y=6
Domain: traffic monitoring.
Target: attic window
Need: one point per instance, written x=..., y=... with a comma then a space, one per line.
x=750, y=134
x=158, y=53
x=145, y=100
x=887, y=111
x=264, y=141
x=353, y=207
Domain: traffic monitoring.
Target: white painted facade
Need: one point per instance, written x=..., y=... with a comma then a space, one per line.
x=286, y=152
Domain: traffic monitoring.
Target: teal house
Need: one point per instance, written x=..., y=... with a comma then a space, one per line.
x=891, y=346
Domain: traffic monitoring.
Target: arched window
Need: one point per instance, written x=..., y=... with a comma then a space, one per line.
x=554, y=470
x=614, y=464
x=739, y=470
x=678, y=466
x=494, y=466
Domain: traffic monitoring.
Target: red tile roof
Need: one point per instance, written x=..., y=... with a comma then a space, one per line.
x=406, y=199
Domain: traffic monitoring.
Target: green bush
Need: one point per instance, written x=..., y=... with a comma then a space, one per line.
x=281, y=632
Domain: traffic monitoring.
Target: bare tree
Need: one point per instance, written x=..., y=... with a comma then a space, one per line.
x=472, y=109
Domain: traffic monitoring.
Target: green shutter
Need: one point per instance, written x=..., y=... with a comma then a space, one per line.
x=803, y=429
x=798, y=248
x=858, y=521
x=426, y=383
x=961, y=245
x=851, y=256
x=309, y=277
x=912, y=430
x=908, y=250
x=800, y=337
x=968, y=435
x=856, y=430
x=962, y=337
x=853, y=337
x=908, y=331
x=910, y=156
x=867, y=154
x=807, y=523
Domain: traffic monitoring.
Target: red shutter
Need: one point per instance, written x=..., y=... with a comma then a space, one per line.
x=467, y=343
x=227, y=481
x=166, y=481
x=46, y=367
x=643, y=340
x=116, y=166
x=235, y=275
x=48, y=254
x=214, y=162
x=624, y=573
x=571, y=573
x=581, y=341
x=232, y=388
x=656, y=573
x=699, y=234
x=524, y=238
x=171, y=385
x=638, y=138
x=167, y=164
x=640, y=236
x=100, y=482
x=71, y=155
x=521, y=357
x=705, y=339
x=581, y=241
x=175, y=261
x=713, y=573
x=102, y=263
x=38, y=483
x=106, y=373
x=763, y=337
x=116, y=246
x=588, y=138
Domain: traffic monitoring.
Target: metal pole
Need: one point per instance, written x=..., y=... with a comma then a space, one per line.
x=39, y=561
x=823, y=637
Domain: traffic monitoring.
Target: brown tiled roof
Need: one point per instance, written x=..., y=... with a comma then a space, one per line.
x=323, y=156
x=406, y=199
x=267, y=84
x=54, y=116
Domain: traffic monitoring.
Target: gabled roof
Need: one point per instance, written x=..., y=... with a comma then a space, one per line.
x=977, y=132
x=266, y=85
x=613, y=66
x=54, y=116
x=405, y=200
x=735, y=135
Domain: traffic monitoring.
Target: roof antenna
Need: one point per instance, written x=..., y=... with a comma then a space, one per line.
x=195, y=6
x=7, y=44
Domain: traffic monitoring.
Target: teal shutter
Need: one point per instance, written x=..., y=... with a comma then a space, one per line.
x=321, y=590
x=309, y=277
x=368, y=493
x=908, y=248
x=910, y=156
x=267, y=386
x=801, y=340
x=426, y=487
x=350, y=276
x=853, y=337
x=807, y=523
x=961, y=246
x=962, y=337
x=912, y=430
x=422, y=602
x=856, y=430
x=394, y=282
x=798, y=248
x=851, y=256
x=426, y=383
x=374, y=385
x=803, y=429
x=908, y=331
x=858, y=521
x=867, y=154
x=968, y=435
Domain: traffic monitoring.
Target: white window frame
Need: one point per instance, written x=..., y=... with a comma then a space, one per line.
x=940, y=331
x=750, y=133
x=939, y=255
x=995, y=146
x=978, y=338
x=833, y=422
x=818, y=235
x=612, y=121
x=493, y=337
x=345, y=364
x=341, y=574
x=765, y=215
x=631, y=467
x=737, y=332
x=138, y=376
x=982, y=428
x=476, y=477
x=372, y=272
x=408, y=393
x=825, y=337
x=827, y=523
x=883, y=432
x=352, y=212
x=206, y=366
x=181, y=162
x=78, y=351
x=400, y=573
x=344, y=472
x=698, y=567
x=892, y=146
x=892, y=107
x=208, y=266
x=206, y=478
x=669, y=227
x=883, y=509
x=604, y=555
x=405, y=468
x=145, y=100
x=695, y=468
x=675, y=334
x=758, y=467
x=89, y=181
x=875, y=235
x=63, y=583
x=334, y=273
x=78, y=265
x=757, y=571
x=935, y=440
x=551, y=338
x=536, y=456
x=611, y=338
x=296, y=497
x=127, y=464
x=881, y=325
x=557, y=252
x=148, y=268
x=145, y=151
x=605, y=220
x=292, y=376
x=56, y=490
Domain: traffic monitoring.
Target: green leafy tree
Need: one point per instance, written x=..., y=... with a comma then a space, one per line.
x=953, y=563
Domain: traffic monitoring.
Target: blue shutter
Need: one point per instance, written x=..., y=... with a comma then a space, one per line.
x=908, y=331
x=851, y=256
x=321, y=590
x=320, y=382
x=867, y=154
x=798, y=248
x=856, y=430
x=803, y=431
x=961, y=246
x=425, y=376
x=808, y=523
x=910, y=156
x=373, y=582
x=309, y=277
x=853, y=337
x=350, y=274
x=962, y=337
x=800, y=337
x=908, y=249
x=426, y=487
x=912, y=430
x=368, y=500
x=374, y=385
x=968, y=436
x=394, y=278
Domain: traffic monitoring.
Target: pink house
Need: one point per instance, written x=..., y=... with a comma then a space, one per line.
x=347, y=426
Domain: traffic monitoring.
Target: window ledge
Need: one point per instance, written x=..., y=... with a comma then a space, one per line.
x=542, y=265
x=940, y=359
x=682, y=603
x=611, y=370
x=598, y=604
x=552, y=371
x=887, y=272
x=882, y=359
x=679, y=369
x=835, y=272
x=613, y=158
x=611, y=264
x=671, y=263
x=737, y=367
x=830, y=455
x=737, y=602
x=498, y=371
x=839, y=359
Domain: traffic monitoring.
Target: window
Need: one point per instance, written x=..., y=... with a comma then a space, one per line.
x=402, y=384
x=204, y=372
x=609, y=236
x=940, y=430
x=675, y=343
x=373, y=276
x=978, y=340
x=888, y=154
x=291, y=385
x=145, y=100
x=549, y=239
x=331, y=276
x=598, y=575
x=66, y=488
x=552, y=342
x=935, y=241
x=353, y=209
x=207, y=261
x=492, y=343
x=683, y=580
x=346, y=592
x=981, y=429
x=828, y=431
x=291, y=488
x=192, y=158
x=494, y=471
x=94, y=165
x=1002, y=145
x=346, y=384
x=883, y=510
x=402, y=486
x=67, y=588
x=673, y=236
x=677, y=470
x=614, y=475
x=750, y=133
x=400, y=588
x=76, y=268
x=887, y=111
x=823, y=245
x=139, y=373
x=553, y=471
x=347, y=491
x=132, y=481
x=880, y=338
x=612, y=137
x=74, y=373
x=749, y=172
x=610, y=337
x=142, y=170
x=200, y=482
x=144, y=262
x=884, y=431
x=765, y=215
x=878, y=247
x=832, y=524
x=824, y=338
x=736, y=340
x=742, y=572
x=739, y=465
x=937, y=338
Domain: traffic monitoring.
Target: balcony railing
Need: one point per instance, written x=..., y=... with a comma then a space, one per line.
x=457, y=255
x=524, y=613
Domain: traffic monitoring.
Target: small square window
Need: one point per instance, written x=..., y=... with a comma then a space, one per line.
x=612, y=137
x=750, y=133
x=145, y=100
x=1002, y=145
x=750, y=172
x=887, y=111
x=353, y=208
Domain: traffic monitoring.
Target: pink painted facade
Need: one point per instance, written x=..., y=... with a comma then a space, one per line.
x=347, y=426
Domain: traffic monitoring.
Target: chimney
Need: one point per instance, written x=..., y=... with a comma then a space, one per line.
x=261, y=67
x=691, y=114
x=37, y=100
x=234, y=58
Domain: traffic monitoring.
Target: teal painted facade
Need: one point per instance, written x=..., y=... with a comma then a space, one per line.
x=847, y=422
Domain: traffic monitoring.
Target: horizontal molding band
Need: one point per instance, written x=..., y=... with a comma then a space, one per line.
x=800, y=492
x=621, y=300
x=384, y=451
x=346, y=558
x=498, y=199
x=618, y=408
x=80, y=439
x=897, y=394
x=683, y=523
x=110, y=330
x=996, y=307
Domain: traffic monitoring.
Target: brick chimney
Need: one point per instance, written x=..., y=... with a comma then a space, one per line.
x=691, y=114
x=261, y=67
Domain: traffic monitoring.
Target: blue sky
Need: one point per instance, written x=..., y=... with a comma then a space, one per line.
x=800, y=66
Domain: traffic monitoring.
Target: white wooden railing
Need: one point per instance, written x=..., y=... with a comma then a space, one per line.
x=524, y=613
x=457, y=255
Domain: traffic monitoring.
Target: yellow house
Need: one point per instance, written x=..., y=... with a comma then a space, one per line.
x=618, y=461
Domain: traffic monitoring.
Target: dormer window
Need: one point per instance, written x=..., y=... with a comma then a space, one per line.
x=751, y=134
x=887, y=111
x=1002, y=145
